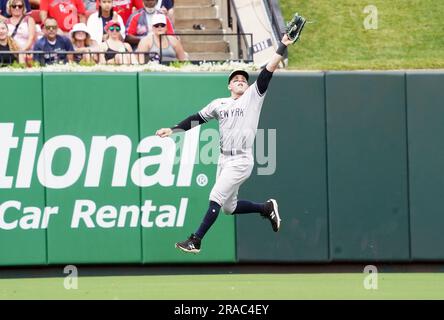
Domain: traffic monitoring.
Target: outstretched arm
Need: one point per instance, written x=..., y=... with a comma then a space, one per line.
x=277, y=57
x=265, y=76
x=184, y=125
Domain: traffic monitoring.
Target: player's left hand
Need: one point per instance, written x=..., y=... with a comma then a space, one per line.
x=286, y=41
x=164, y=132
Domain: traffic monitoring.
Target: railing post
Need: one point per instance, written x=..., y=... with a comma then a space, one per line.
x=230, y=18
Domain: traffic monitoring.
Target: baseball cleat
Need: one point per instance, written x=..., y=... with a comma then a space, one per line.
x=192, y=244
x=272, y=214
x=294, y=27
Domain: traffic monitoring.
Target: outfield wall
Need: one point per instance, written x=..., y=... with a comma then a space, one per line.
x=358, y=175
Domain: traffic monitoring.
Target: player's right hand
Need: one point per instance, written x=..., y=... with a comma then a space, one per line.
x=164, y=132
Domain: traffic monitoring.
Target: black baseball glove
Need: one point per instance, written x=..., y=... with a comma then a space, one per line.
x=294, y=27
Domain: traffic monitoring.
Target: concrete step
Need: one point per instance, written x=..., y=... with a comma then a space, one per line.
x=209, y=24
x=184, y=3
x=195, y=12
x=206, y=46
x=208, y=56
x=200, y=36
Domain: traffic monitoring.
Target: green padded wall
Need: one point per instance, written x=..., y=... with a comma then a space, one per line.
x=295, y=108
x=86, y=105
x=425, y=110
x=367, y=166
x=358, y=171
x=165, y=100
x=21, y=101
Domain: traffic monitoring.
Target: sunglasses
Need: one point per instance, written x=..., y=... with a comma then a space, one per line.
x=159, y=25
x=15, y=6
x=113, y=28
x=51, y=27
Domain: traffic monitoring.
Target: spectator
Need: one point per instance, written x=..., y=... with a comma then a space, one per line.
x=66, y=12
x=51, y=43
x=139, y=24
x=167, y=8
x=98, y=20
x=82, y=42
x=21, y=27
x=114, y=45
x=8, y=44
x=3, y=9
x=125, y=7
x=171, y=47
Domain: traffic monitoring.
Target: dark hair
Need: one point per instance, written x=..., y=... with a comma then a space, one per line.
x=100, y=12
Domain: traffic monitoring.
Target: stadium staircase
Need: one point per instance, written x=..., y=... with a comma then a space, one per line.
x=202, y=19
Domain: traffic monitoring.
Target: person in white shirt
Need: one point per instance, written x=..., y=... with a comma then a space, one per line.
x=98, y=20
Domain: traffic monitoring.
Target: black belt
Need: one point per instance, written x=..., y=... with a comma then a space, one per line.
x=232, y=152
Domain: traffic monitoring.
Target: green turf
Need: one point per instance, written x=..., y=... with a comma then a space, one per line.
x=410, y=35
x=232, y=286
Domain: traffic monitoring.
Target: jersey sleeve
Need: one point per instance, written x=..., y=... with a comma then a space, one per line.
x=255, y=92
x=254, y=99
x=131, y=27
x=263, y=80
x=209, y=111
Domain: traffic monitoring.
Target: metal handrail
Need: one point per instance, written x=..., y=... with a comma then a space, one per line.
x=60, y=56
x=245, y=35
x=250, y=48
x=278, y=24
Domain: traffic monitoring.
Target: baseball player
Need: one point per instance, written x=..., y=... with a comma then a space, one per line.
x=238, y=118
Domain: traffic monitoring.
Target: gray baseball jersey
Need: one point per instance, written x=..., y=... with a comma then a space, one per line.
x=238, y=121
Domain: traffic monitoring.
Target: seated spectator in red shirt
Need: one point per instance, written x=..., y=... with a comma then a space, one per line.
x=125, y=7
x=98, y=20
x=66, y=12
x=139, y=24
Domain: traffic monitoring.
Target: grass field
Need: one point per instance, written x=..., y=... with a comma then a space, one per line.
x=231, y=286
x=410, y=35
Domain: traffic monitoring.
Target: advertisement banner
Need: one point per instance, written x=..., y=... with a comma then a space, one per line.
x=103, y=187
